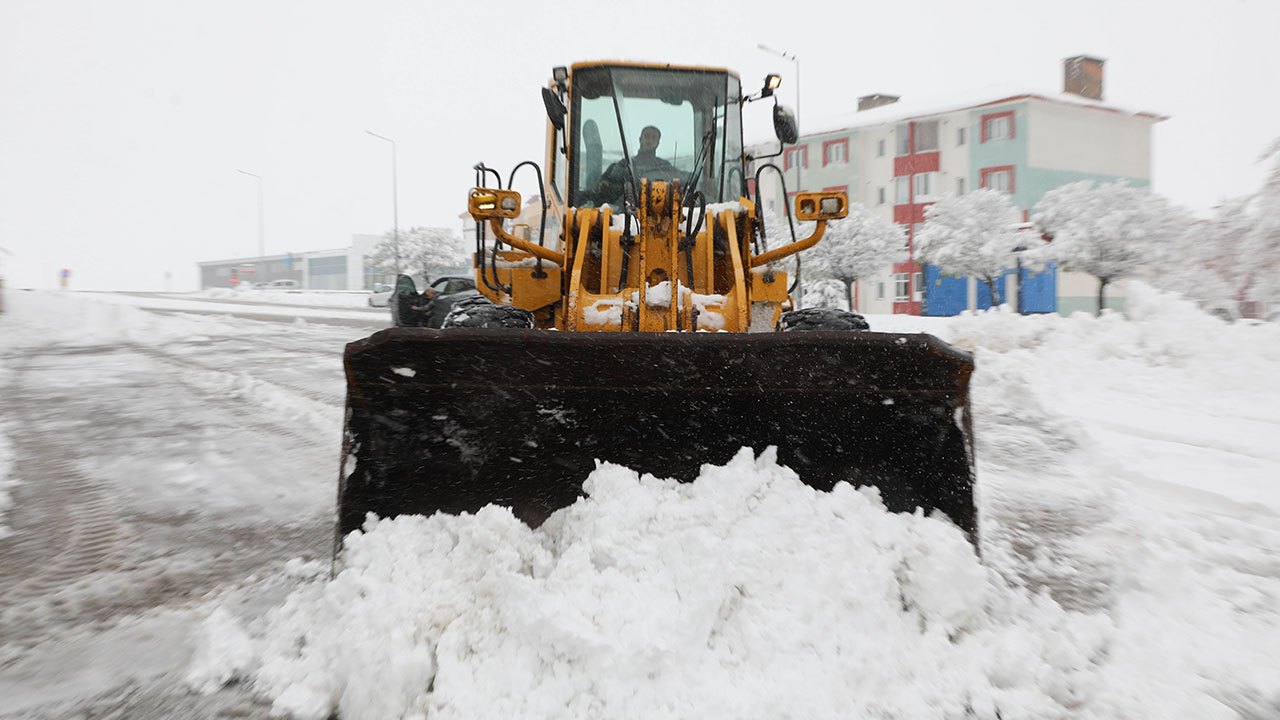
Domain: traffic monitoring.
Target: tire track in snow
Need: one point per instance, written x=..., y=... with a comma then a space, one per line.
x=64, y=526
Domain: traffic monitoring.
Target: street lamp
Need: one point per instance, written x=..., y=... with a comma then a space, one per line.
x=792, y=57
x=395, y=202
x=261, y=232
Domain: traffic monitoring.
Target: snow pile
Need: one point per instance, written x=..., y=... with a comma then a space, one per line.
x=743, y=594
x=73, y=319
x=1160, y=328
x=313, y=298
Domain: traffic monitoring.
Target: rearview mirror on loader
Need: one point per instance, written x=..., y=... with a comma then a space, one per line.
x=826, y=205
x=485, y=203
x=784, y=125
x=555, y=109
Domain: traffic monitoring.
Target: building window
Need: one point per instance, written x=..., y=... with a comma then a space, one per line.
x=903, y=136
x=998, y=178
x=901, y=287
x=917, y=287
x=959, y=186
x=902, y=195
x=880, y=290
x=796, y=155
x=881, y=195
x=880, y=149
x=835, y=151
x=926, y=136
x=926, y=185
x=960, y=136
x=998, y=126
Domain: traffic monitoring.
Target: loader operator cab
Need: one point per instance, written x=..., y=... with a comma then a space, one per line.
x=654, y=123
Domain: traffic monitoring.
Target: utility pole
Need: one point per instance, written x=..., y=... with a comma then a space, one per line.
x=262, y=246
x=395, y=202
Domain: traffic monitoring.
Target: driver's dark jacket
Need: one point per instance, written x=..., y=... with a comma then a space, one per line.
x=614, y=180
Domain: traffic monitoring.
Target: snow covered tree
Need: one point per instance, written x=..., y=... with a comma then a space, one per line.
x=857, y=246
x=419, y=251
x=1261, y=244
x=1211, y=263
x=1109, y=231
x=973, y=235
x=1232, y=258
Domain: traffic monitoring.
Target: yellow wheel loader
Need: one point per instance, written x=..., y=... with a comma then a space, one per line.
x=635, y=318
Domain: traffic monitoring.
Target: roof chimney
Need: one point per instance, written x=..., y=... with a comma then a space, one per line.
x=866, y=102
x=1082, y=75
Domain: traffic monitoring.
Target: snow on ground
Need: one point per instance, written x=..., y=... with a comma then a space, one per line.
x=1130, y=504
x=1129, y=493
x=6, y=475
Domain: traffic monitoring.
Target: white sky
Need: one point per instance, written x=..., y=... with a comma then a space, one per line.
x=123, y=123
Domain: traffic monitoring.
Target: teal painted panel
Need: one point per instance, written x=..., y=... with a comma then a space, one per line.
x=997, y=153
x=1035, y=182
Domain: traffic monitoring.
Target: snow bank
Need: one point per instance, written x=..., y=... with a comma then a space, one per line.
x=743, y=594
x=336, y=299
x=1129, y=513
x=1160, y=329
x=84, y=319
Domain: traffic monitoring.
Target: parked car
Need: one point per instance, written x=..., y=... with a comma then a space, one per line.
x=416, y=304
x=381, y=295
x=283, y=284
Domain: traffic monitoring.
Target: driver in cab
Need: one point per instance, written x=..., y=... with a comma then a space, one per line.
x=646, y=164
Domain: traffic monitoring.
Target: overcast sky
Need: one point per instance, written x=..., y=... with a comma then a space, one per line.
x=123, y=123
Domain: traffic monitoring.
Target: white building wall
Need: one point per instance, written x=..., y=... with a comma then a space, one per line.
x=953, y=160
x=1089, y=140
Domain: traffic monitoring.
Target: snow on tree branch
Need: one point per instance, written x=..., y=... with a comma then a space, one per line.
x=855, y=247
x=1109, y=231
x=423, y=251
x=973, y=235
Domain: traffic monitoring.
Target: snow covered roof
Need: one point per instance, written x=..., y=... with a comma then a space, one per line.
x=912, y=109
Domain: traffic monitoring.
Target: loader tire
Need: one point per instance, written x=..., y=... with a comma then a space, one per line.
x=479, y=312
x=810, y=319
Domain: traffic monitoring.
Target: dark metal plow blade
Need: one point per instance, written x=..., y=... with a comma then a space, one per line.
x=454, y=420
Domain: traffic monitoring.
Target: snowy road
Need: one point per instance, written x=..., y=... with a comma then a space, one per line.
x=154, y=469
x=168, y=470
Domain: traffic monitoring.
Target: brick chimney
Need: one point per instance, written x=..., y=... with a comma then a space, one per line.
x=866, y=102
x=1082, y=75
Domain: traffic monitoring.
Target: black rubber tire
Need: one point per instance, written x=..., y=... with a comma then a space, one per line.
x=479, y=312
x=810, y=319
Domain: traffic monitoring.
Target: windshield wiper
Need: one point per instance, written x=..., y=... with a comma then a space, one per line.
x=708, y=142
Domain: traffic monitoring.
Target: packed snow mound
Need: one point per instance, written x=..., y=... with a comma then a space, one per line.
x=743, y=594
x=1158, y=328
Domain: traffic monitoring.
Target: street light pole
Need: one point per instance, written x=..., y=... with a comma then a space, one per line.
x=395, y=195
x=261, y=231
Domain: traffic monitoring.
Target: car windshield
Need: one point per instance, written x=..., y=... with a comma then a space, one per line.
x=696, y=115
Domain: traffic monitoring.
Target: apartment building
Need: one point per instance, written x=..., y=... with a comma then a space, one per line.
x=897, y=156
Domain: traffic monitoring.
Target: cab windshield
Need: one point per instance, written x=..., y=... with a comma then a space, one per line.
x=696, y=115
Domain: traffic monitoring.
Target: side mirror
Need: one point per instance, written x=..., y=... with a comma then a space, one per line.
x=784, y=125
x=555, y=108
x=485, y=203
